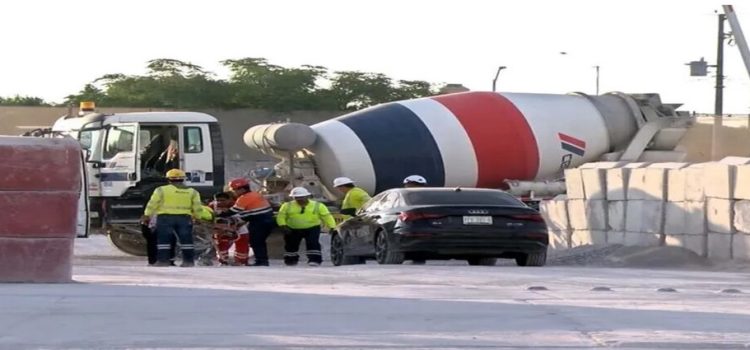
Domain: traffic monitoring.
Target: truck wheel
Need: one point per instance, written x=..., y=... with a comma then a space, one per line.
x=127, y=242
x=384, y=253
x=532, y=259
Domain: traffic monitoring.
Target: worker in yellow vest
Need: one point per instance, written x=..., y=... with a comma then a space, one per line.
x=175, y=206
x=354, y=197
x=301, y=218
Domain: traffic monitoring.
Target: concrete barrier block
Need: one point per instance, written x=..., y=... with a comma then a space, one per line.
x=574, y=184
x=637, y=184
x=695, y=243
x=616, y=237
x=616, y=215
x=644, y=216
x=719, y=246
x=39, y=164
x=676, y=185
x=685, y=218
x=742, y=216
x=719, y=214
x=741, y=247
x=617, y=180
x=587, y=214
x=644, y=239
x=36, y=260
x=742, y=182
x=594, y=183
x=555, y=213
x=718, y=180
x=559, y=239
x=720, y=177
x=694, y=186
x=586, y=237
x=38, y=214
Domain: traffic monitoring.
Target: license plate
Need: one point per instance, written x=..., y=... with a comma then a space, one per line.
x=477, y=220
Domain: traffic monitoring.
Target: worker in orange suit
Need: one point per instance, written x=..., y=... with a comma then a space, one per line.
x=227, y=233
x=251, y=208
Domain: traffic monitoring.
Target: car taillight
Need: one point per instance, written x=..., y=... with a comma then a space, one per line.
x=528, y=217
x=411, y=216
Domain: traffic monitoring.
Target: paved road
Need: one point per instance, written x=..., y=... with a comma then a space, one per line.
x=119, y=303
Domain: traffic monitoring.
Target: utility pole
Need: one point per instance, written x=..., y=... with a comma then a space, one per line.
x=719, y=103
x=494, y=81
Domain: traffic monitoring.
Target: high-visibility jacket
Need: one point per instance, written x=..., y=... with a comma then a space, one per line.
x=296, y=217
x=174, y=200
x=355, y=199
x=250, y=206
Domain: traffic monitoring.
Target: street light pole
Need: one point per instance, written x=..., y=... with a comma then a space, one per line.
x=494, y=81
x=597, y=79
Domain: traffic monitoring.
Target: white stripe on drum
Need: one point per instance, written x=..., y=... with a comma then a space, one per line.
x=339, y=152
x=549, y=115
x=459, y=159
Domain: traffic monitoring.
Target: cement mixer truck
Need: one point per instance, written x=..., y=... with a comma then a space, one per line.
x=520, y=142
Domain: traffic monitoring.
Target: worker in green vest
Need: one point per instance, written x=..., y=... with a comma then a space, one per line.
x=175, y=206
x=301, y=219
x=354, y=197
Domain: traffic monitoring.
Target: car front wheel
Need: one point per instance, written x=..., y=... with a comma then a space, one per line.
x=384, y=253
x=338, y=253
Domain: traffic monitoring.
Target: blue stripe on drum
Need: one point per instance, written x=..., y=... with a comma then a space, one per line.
x=459, y=159
x=399, y=145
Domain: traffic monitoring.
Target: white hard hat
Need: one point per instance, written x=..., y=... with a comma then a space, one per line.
x=415, y=178
x=341, y=181
x=298, y=192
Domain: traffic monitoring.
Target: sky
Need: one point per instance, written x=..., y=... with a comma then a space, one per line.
x=52, y=48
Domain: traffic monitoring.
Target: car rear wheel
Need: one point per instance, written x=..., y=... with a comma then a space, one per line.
x=482, y=261
x=532, y=259
x=384, y=253
x=338, y=253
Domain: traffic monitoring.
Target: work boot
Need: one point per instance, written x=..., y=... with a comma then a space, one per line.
x=162, y=264
x=187, y=264
x=313, y=264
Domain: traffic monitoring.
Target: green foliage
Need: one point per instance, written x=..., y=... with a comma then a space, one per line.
x=253, y=83
x=23, y=101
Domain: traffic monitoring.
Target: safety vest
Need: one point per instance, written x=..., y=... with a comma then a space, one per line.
x=355, y=198
x=173, y=200
x=314, y=214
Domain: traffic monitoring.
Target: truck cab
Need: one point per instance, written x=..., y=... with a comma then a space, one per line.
x=128, y=154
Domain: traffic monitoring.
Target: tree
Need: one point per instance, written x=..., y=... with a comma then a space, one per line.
x=253, y=83
x=23, y=101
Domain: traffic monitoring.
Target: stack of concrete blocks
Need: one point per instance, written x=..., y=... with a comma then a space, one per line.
x=618, y=184
x=587, y=202
x=685, y=223
x=741, y=238
x=646, y=204
x=721, y=182
x=555, y=213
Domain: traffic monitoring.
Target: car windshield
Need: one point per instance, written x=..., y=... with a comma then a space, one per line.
x=465, y=197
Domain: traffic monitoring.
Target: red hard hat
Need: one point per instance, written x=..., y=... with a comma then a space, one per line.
x=238, y=183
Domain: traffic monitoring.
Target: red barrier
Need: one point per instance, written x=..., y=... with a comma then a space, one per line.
x=40, y=183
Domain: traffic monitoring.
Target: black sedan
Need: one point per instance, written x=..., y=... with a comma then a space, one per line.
x=478, y=225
